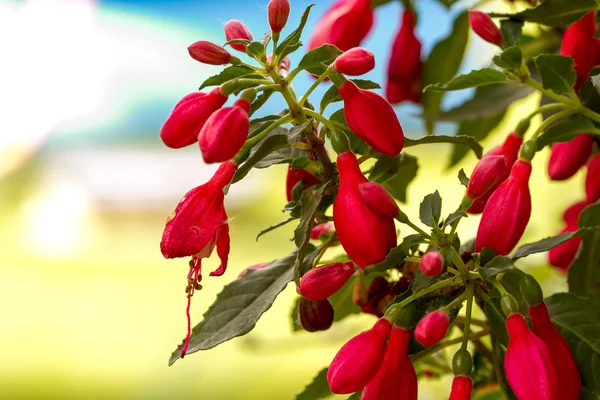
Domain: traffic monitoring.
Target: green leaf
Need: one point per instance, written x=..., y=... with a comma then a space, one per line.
x=443, y=63
x=578, y=320
x=273, y=227
x=292, y=42
x=342, y=303
x=317, y=60
x=548, y=243
x=497, y=319
x=511, y=30
x=479, y=77
x=395, y=174
x=455, y=216
x=565, y=130
x=294, y=317
x=557, y=13
x=461, y=140
x=497, y=266
x=557, y=72
x=510, y=58
x=261, y=100
x=245, y=42
x=395, y=257
x=257, y=51
x=357, y=145
x=240, y=305
x=277, y=139
x=478, y=129
x=411, y=241
x=590, y=91
x=229, y=73
x=430, y=210
x=462, y=177
x=584, y=274
x=332, y=95
x=317, y=389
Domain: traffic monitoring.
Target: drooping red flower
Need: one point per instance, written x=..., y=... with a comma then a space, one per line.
x=396, y=379
x=462, y=386
x=189, y=116
x=209, y=53
x=295, y=176
x=484, y=27
x=528, y=363
x=405, y=65
x=592, y=180
x=321, y=230
x=365, y=227
x=569, y=380
x=344, y=25
x=372, y=118
x=507, y=212
x=314, y=315
x=225, y=132
x=562, y=255
x=432, y=328
x=580, y=43
x=235, y=29
x=278, y=12
x=359, y=360
x=354, y=62
x=568, y=158
x=432, y=263
x=322, y=282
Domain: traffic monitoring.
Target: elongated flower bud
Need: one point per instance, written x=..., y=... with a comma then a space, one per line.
x=396, y=379
x=372, y=118
x=235, y=29
x=568, y=158
x=315, y=315
x=484, y=27
x=580, y=43
x=344, y=25
x=432, y=328
x=507, y=212
x=322, y=282
x=359, y=360
x=278, y=11
x=366, y=230
x=489, y=173
x=405, y=66
x=354, y=62
x=321, y=231
x=432, y=263
x=562, y=255
x=592, y=180
x=528, y=363
x=378, y=199
x=295, y=176
x=462, y=386
x=209, y=53
x=189, y=116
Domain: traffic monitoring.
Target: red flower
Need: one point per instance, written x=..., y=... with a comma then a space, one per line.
x=372, y=118
x=507, y=212
x=295, y=176
x=562, y=255
x=396, y=378
x=483, y=26
x=365, y=227
x=344, y=25
x=189, y=116
x=579, y=42
x=315, y=316
x=209, y=53
x=235, y=29
x=432, y=328
x=225, y=132
x=405, y=66
x=528, y=363
x=592, y=180
x=322, y=282
x=432, y=263
x=354, y=62
x=568, y=158
x=462, y=386
x=569, y=381
x=358, y=361
x=278, y=11
x=321, y=230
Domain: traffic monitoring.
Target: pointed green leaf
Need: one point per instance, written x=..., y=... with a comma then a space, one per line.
x=558, y=13
x=460, y=140
x=480, y=77
x=584, y=274
x=565, y=131
x=548, y=243
x=395, y=174
x=510, y=58
x=317, y=60
x=557, y=72
x=430, y=210
x=257, y=51
x=590, y=91
x=276, y=140
x=317, y=389
x=229, y=73
x=455, y=216
x=497, y=320
x=273, y=227
x=462, y=177
x=511, y=30
x=292, y=42
x=497, y=266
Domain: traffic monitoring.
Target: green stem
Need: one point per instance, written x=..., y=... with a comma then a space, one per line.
x=462, y=267
x=244, y=153
x=446, y=343
x=268, y=87
x=551, y=120
x=589, y=113
x=468, y=317
x=403, y=218
x=332, y=241
x=293, y=74
x=318, y=117
x=558, y=97
x=313, y=87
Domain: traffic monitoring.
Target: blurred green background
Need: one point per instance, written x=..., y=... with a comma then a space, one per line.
x=88, y=306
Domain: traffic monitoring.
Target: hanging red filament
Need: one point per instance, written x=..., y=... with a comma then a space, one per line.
x=194, y=277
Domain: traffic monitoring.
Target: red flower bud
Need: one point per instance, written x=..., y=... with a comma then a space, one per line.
x=568, y=158
x=528, y=363
x=483, y=26
x=321, y=282
x=279, y=11
x=255, y=266
x=235, y=29
x=592, y=180
x=569, y=383
x=358, y=361
x=225, y=132
x=432, y=328
x=365, y=232
x=432, y=263
x=562, y=255
x=321, y=230
x=354, y=62
x=579, y=42
x=489, y=173
x=507, y=212
x=378, y=199
x=315, y=316
x=200, y=220
x=397, y=377
x=344, y=25
x=372, y=118
x=462, y=386
x=405, y=65
x=209, y=53
x=294, y=176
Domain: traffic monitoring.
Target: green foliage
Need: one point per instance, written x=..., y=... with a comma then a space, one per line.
x=317, y=389
x=584, y=274
x=395, y=174
x=317, y=60
x=565, y=131
x=480, y=77
x=292, y=42
x=559, y=13
x=557, y=72
x=228, y=74
x=510, y=59
x=511, y=30
x=459, y=139
x=430, y=210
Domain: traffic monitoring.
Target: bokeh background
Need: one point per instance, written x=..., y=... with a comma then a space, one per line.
x=88, y=306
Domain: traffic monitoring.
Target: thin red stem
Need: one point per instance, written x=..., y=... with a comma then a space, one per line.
x=193, y=278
